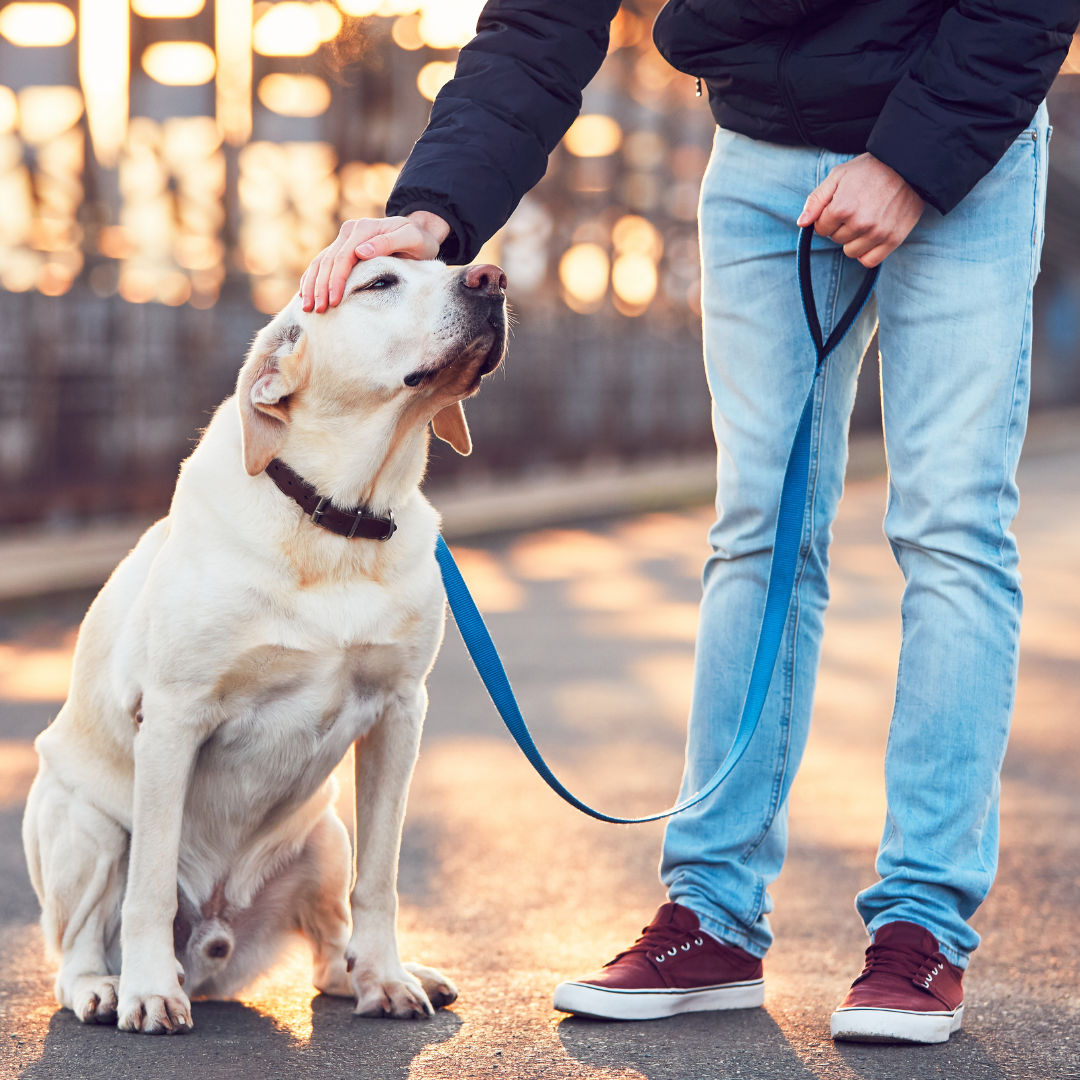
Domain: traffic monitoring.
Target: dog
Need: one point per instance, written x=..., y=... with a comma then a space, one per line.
x=181, y=828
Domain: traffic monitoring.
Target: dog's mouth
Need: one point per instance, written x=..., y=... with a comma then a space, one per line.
x=488, y=347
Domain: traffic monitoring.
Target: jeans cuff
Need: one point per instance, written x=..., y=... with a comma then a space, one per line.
x=728, y=935
x=958, y=959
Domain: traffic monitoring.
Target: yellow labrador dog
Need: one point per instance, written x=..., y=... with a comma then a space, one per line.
x=181, y=826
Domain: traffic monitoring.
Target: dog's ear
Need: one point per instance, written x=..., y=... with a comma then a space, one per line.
x=450, y=426
x=276, y=368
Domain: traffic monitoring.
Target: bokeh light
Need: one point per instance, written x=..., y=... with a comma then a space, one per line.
x=632, y=234
x=294, y=95
x=445, y=25
x=359, y=8
x=633, y=280
x=9, y=110
x=406, y=33
x=179, y=63
x=433, y=76
x=104, y=67
x=593, y=135
x=167, y=9
x=46, y=111
x=289, y=28
x=37, y=24
x=583, y=273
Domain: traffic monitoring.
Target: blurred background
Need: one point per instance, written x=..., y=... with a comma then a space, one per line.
x=169, y=167
x=167, y=170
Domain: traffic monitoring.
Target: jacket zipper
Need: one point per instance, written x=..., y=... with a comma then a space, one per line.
x=789, y=101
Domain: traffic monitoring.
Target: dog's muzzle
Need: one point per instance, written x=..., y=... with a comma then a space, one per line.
x=484, y=287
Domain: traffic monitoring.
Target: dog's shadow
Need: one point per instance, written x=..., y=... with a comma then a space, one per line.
x=241, y=1042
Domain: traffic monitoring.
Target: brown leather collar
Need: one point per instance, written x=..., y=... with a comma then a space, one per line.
x=359, y=523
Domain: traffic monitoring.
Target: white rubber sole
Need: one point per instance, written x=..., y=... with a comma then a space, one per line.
x=584, y=999
x=894, y=1025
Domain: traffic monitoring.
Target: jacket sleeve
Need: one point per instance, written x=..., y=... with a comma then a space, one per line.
x=516, y=91
x=952, y=117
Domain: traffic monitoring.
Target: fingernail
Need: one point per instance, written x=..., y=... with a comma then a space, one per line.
x=365, y=250
x=801, y=220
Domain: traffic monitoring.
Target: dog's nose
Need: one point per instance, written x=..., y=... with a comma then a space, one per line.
x=485, y=276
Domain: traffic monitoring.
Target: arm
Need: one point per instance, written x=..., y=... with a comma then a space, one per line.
x=945, y=124
x=517, y=89
x=950, y=119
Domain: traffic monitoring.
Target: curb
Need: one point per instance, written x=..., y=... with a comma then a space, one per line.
x=40, y=561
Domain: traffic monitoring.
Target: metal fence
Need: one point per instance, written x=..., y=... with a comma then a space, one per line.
x=133, y=285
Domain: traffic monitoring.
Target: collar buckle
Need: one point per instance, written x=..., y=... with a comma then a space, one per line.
x=317, y=513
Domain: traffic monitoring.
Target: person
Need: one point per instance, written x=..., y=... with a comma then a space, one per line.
x=913, y=136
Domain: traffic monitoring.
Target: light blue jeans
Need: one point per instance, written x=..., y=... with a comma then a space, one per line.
x=954, y=308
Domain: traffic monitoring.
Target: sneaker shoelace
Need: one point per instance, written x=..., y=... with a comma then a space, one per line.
x=909, y=963
x=660, y=943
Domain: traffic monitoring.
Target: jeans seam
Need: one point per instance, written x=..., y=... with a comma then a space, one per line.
x=1033, y=273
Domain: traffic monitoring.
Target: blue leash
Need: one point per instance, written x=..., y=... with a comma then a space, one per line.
x=785, y=558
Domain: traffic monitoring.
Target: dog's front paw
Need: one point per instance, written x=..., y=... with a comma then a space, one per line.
x=92, y=998
x=154, y=1011
x=398, y=994
x=439, y=989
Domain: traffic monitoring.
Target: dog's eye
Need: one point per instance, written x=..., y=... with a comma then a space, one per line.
x=384, y=282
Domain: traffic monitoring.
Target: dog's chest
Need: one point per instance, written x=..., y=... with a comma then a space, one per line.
x=290, y=715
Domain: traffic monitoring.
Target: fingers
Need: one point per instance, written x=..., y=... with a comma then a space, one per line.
x=323, y=283
x=404, y=240
x=873, y=256
x=818, y=200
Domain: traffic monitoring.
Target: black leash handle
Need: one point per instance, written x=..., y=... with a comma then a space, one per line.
x=806, y=288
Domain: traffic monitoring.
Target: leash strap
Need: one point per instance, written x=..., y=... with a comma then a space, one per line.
x=778, y=594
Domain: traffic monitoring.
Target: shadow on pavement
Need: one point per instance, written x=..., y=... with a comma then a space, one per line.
x=245, y=1044
x=961, y=1056
x=746, y=1042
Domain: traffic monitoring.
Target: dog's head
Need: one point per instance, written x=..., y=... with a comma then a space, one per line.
x=408, y=334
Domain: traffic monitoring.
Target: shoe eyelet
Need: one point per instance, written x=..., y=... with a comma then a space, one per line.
x=698, y=941
x=686, y=947
x=672, y=951
x=659, y=959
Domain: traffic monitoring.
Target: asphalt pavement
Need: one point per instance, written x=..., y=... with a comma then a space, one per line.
x=510, y=891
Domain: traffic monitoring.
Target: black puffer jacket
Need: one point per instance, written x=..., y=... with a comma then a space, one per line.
x=937, y=89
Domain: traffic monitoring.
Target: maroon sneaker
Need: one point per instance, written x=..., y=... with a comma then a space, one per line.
x=907, y=992
x=673, y=967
